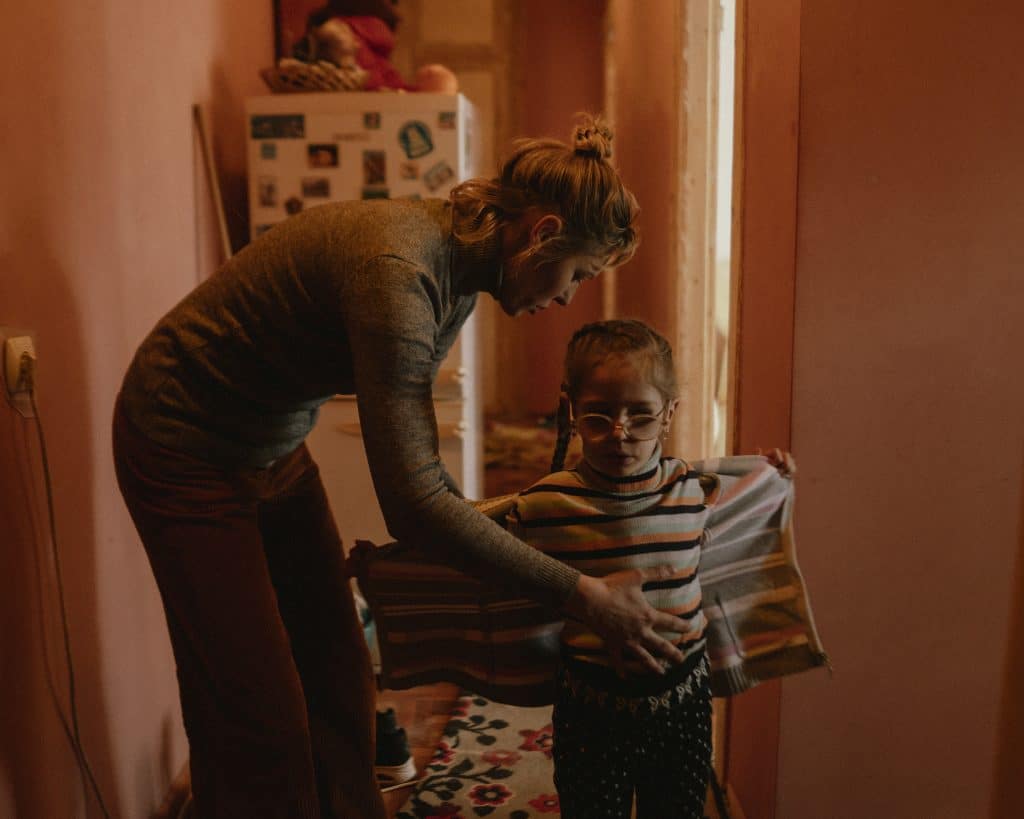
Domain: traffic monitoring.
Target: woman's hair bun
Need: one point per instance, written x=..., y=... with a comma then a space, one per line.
x=592, y=137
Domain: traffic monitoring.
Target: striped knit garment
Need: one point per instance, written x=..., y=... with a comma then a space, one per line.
x=600, y=524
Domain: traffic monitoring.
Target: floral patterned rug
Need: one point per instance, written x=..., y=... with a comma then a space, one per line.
x=493, y=760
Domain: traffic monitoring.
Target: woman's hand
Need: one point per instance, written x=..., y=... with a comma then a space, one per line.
x=614, y=606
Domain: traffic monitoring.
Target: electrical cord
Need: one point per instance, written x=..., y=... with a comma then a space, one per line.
x=72, y=731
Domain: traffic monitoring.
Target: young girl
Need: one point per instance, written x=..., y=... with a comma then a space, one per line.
x=625, y=506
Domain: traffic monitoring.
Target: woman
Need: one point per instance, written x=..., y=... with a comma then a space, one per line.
x=361, y=298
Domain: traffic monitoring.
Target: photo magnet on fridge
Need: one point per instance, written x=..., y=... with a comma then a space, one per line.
x=322, y=155
x=278, y=126
x=266, y=187
x=437, y=175
x=375, y=168
x=318, y=187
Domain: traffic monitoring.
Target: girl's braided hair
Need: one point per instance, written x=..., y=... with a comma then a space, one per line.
x=594, y=343
x=576, y=182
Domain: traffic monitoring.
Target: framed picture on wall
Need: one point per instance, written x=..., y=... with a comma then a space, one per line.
x=290, y=23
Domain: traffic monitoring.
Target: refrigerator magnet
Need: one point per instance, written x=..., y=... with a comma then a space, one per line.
x=268, y=150
x=376, y=193
x=278, y=126
x=415, y=139
x=371, y=120
x=322, y=155
x=437, y=175
x=266, y=187
x=409, y=170
x=316, y=187
x=292, y=205
x=375, y=168
x=446, y=120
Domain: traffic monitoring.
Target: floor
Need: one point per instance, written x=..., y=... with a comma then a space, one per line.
x=423, y=712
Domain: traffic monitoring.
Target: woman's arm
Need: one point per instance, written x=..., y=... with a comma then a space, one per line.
x=392, y=318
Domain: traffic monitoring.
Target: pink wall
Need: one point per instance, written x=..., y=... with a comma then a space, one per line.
x=908, y=406
x=104, y=226
x=557, y=82
x=647, y=94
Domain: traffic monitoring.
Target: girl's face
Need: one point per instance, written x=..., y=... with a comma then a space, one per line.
x=617, y=388
x=529, y=285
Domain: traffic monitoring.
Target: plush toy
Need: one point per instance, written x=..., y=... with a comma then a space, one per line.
x=362, y=32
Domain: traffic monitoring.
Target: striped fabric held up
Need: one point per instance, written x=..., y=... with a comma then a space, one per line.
x=437, y=623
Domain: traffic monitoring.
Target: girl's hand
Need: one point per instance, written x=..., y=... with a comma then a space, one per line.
x=615, y=608
x=782, y=461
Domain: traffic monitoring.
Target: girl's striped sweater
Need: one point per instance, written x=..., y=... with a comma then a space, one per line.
x=600, y=524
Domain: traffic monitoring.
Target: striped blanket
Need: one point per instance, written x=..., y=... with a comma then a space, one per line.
x=437, y=623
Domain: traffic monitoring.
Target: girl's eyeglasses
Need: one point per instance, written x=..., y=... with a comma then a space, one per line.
x=595, y=425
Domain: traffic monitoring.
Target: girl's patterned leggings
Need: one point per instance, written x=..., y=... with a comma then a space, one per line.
x=606, y=748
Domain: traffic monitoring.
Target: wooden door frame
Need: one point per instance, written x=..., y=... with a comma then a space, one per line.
x=693, y=338
x=763, y=287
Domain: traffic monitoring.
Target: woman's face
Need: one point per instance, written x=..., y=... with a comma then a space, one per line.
x=529, y=285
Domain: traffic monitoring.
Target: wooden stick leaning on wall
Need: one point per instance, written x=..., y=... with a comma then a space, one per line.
x=211, y=177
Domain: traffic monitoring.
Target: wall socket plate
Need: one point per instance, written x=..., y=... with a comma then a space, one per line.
x=13, y=343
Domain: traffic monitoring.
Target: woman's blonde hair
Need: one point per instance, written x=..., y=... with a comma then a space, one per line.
x=578, y=183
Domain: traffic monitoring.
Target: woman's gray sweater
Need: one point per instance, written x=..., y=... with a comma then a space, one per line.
x=362, y=298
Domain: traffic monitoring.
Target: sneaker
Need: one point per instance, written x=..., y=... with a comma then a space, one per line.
x=394, y=763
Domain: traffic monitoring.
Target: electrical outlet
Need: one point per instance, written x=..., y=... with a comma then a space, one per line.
x=15, y=345
x=16, y=350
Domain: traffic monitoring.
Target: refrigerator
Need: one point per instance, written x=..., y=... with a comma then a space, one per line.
x=307, y=149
